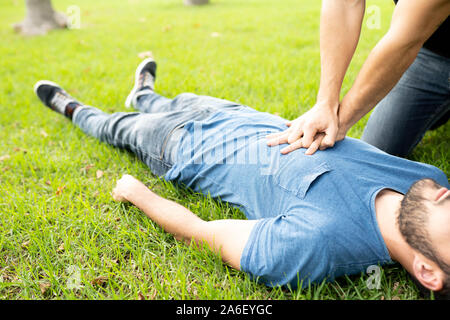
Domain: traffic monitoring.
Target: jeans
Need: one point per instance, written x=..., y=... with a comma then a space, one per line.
x=420, y=101
x=153, y=133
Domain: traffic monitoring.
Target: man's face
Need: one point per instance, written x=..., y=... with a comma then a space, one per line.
x=425, y=213
x=439, y=219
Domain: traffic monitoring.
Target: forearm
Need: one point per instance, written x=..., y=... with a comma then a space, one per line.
x=382, y=70
x=171, y=216
x=340, y=27
x=227, y=237
x=413, y=22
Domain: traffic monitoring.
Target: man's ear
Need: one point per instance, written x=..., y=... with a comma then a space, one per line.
x=428, y=274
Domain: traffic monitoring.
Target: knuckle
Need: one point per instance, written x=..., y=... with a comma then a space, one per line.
x=310, y=126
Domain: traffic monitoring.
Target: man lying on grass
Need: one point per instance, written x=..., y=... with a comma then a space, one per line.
x=310, y=217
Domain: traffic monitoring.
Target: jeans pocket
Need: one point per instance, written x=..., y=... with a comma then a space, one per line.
x=298, y=176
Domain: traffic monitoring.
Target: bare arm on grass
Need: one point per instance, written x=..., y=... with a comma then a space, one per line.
x=226, y=237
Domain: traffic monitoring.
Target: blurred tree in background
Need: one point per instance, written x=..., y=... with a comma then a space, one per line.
x=40, y=18
x=195, y=2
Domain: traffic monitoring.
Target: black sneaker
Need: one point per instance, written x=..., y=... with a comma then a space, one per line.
x=54, y=97
x=144, y=81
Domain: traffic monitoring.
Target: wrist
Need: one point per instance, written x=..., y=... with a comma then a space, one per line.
x=327, y=105
x=347, y=116
x=329, y=92
x=135, y=191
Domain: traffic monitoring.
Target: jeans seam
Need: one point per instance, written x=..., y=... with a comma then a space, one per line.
x=153, y=157
x=134, y=147
x=166, y=140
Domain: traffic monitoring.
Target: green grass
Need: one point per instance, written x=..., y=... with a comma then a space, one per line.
x=56, y=214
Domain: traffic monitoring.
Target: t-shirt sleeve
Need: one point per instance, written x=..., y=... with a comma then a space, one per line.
x=286, y=250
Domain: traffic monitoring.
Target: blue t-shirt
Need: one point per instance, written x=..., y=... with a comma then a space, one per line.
x=316, y=214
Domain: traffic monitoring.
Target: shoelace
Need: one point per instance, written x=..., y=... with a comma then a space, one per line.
x=146, y=80
x=60, y=101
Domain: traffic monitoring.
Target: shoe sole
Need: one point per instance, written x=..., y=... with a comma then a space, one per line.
x=44, y=82
x=129, y=99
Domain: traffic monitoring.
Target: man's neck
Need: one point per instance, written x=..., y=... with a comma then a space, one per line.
x=387, y=204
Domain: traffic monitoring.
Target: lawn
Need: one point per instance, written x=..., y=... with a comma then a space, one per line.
x=61, y=234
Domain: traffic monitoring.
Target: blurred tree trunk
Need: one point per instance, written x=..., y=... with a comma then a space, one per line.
x=195, y=2
x=40, y=18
